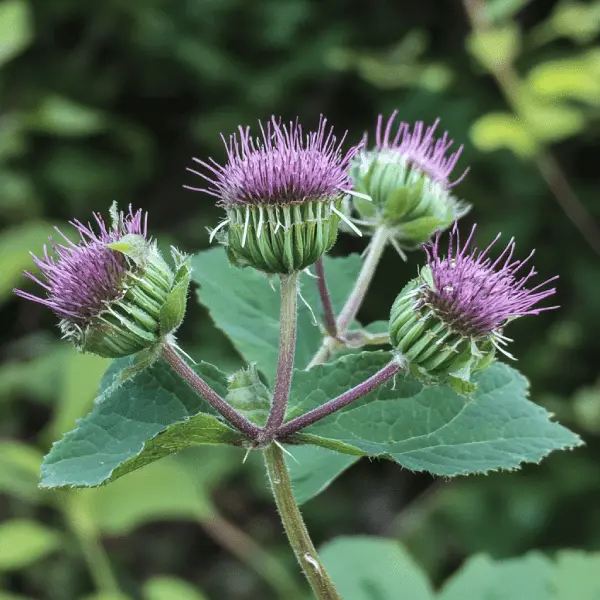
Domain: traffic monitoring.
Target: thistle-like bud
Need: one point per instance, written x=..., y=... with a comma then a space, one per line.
x=282, y=193
x=113, y=291
x=449, y=322
x=407, y=178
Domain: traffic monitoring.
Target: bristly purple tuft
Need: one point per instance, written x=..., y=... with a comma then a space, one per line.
x=80, y=279
x=476, y=295
x=420, y=148
x=283, y=166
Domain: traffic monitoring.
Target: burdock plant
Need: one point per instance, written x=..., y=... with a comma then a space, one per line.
x=282, y=195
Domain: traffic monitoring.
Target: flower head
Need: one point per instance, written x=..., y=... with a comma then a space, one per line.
x=449, y=322
x=419, y=148
x=82, y=278
x=476, y=294
x=282, y=193
x=112, y=290
x=406, y=175
x=283, y=166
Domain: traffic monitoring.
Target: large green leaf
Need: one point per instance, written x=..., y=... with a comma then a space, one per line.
x=147, y=417
x=576, y=575
x=245, y=306
x=366, y=568
x=431, y=428
x=312, y=469
x=23, y=542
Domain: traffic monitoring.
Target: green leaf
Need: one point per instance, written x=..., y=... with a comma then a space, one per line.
x=15, y=247
x=432, y=428
x=63, y=117
x=576, y=576
x=24, y=542
x=16, y=29
x=243, y=304
x=552, y=122
x=524, y=578
x=313, y=469
x=149, y=416
x=8, y=596
x=171, y=588
x=503, y=130
x=20, y=470
x=368, y=568
x=495, y=48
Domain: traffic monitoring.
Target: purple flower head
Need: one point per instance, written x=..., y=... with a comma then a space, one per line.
x=476, y=295
x=80, y=279
x=280, y=167
x=419, y=148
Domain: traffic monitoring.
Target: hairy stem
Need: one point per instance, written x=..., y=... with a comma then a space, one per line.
x=329, y=313
x=250, y=553
x=287, y=346
x=198, y=384
x=362, y=389
x=508, y=82
x=294, y=526
x=348, y=314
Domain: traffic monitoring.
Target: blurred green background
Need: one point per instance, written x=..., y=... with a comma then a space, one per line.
x=103, y=101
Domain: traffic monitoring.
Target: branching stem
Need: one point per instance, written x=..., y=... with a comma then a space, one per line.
x=328, y=311
x=362, y=389
x=198, y=384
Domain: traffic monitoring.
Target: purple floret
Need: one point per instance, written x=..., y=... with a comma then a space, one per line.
x=475, y=294
x=281, y=166
x=420, y=148
x=80, y=279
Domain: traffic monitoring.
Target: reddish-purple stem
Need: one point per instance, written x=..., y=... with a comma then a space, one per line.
x=362, y=389
x=329, y=314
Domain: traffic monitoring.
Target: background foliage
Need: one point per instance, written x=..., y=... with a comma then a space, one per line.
x=103, y=101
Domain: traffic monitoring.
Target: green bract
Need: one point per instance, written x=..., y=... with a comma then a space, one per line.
x=433, y=349
x=405, y=199
x=281, y=238
x=151, y=307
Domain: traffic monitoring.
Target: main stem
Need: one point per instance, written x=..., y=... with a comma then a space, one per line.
x=295, y=528
x=348, y=314
x=198, y=384
x=287, y=346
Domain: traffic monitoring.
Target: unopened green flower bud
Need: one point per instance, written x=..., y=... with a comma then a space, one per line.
x=407, y=181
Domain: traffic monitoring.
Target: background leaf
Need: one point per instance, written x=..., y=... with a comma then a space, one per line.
x=170, y=588
x=365, y=568
x=16, y=30
x=23, y=542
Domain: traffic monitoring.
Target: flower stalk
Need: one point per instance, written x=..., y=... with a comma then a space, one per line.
x=350, y=310
x=328, y=311
x=294, y=525
x=287, y=347
x=343, y=400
